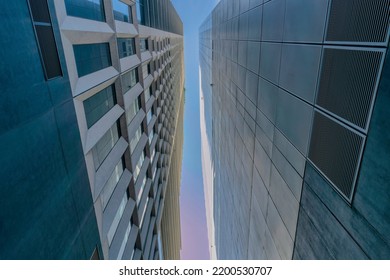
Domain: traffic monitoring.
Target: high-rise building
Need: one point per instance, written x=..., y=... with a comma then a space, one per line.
x=295, y=112
x=92, y=98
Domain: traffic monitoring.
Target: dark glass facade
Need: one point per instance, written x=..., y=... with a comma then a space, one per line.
x=46, y=208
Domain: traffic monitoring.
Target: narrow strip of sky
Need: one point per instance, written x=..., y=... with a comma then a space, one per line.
x=192, y=208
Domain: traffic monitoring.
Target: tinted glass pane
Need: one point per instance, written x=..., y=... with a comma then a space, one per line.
x=129, y=80
x=49, y=53
x=122, y=11
x=88, y=9
x=111, y=184
x=140, y=12
x=104, y=146
x=91, y=57
x=40, y=11
x=99, y=104
x=134, y=141
x=126, y=47
x=133, y=110
x=143, y=44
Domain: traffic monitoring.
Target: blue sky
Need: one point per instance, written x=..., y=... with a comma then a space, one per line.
x=192, y=209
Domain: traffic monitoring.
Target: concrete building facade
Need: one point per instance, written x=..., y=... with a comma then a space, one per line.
x=295, y=114
x=119, y=65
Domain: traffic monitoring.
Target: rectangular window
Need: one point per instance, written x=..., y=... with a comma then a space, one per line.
x=141, y=190
x=123, y=245
x=111, y=183
x=88, y=9
x=45, y=38
x=140, y=12
x=151, y=135
x=147, y=94
x=117, y=218
x=152, y=156
x=143, y=211
x=135, y=139
x=138, y=167
x=126, y=47
x=143, y=42
x=129, y=79
x=133, y=110
x=149, y=115
x=91, y=57
x=122, y=11
x=99, y=104
x=145, y=70
x=105, y=145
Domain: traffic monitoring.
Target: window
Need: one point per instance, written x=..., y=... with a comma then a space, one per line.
x=135, y=139
x=149, y=115
x=140, y=12
x=143, y=42
x=138, y=167
x=133, y=109
x=141, y=190
x=145, y=70
x=99, y=104
x=105, y=144
x=154, y=174
x=152, y=45
x=147, y=94
x=122, y=11
x=123, y=245
x=126, y=47
x=91, y=57
x=45, y=38
x=151, y=135
x=152, y=156
x=129, y=80
x=111, y=183
x=143, y=211
x=117, y=218
x=88, y=9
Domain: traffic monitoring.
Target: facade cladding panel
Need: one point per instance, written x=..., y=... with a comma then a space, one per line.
x=304, y=171
x=104, y=201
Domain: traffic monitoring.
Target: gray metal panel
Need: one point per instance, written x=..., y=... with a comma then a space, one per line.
x=359, y=21
x=244, y=5
x=242, y=52
x=348, y=82
x=254, y=25
x=243, y=27
x=293, y=118
x=305, y=20
x=336, y=150
x=254, y=3
x=299, y=70
x=267, y=99
x=251, y=86
x=253, y=56
x=270, y=61
x=284, y=200
x=273, y=20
